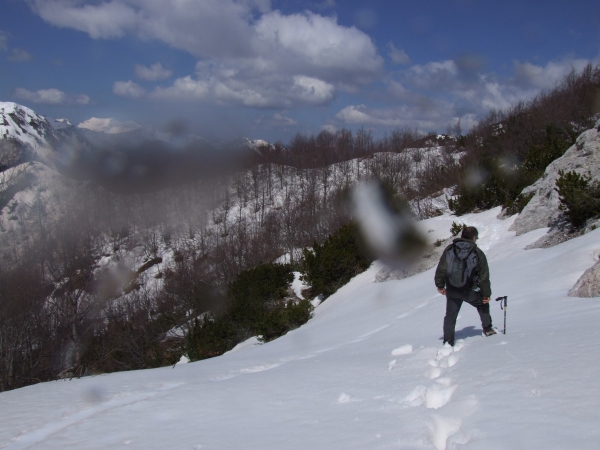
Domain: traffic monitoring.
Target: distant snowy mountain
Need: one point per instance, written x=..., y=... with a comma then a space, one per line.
x=250, y=149
x=23, y=124
x=26, y=135
x=60, y=124
x=123, y=155
x=256, y=144
x=27, y=128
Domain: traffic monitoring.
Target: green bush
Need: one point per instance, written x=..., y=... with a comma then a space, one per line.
x=518, y=204
x=266, y=281
x=579, y=198
x=258, y=306
x=457, y=228
x=211, y=338
x=329, y=266
x=131, y=339
x=553, y=146
x=253, y=290
x=282, y=318
x=498, y=176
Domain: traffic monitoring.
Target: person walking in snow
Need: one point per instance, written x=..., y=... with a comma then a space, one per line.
x=463, y=275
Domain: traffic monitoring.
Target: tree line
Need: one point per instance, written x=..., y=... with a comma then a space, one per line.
x=77, y=295
x=509, y=150
x=66, y=312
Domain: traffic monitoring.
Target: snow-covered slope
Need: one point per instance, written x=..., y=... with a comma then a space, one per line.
x=23, y=124
x=367, y=372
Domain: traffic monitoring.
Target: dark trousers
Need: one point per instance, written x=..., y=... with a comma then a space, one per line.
x=453, y=304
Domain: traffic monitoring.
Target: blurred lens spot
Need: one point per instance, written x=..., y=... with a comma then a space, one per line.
x=139, y=170
x=176, y=128
x=96, y=394
x=475, y=177
x=470, y=62
x=366, y=19
x=115, y=164
x=508, y=164
x=392, y=236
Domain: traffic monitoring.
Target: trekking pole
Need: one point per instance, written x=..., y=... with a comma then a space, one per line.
x=503, y=307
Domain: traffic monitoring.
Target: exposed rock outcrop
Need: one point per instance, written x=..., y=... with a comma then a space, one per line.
x=543, y=209
x=588, y=284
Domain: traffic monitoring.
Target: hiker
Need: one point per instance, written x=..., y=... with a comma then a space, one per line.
x=463, y=275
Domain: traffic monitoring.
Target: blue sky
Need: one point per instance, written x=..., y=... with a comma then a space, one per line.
x=271, y=68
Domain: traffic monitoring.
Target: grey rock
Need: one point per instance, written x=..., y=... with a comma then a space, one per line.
x=588, y=284
x=543, y=209
x=556, y=235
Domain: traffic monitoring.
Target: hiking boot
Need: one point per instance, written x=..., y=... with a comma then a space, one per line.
x=449, y=342
x=488, y=331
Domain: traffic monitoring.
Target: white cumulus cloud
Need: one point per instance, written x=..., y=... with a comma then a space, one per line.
x=439, y=92
x=272, y=91
x=319, y=45
x=128, y=89
x=529, y=75
x=397, y=55
x=202, y=28
x=362, y=115
x=282, y=120
x=107, y=20
x=248, y=54
x=155, y=72
x=51, y=97
x=185, y=88
x=312, y=90
x=424, y=119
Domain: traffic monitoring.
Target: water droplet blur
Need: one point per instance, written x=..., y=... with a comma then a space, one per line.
x=392, y=236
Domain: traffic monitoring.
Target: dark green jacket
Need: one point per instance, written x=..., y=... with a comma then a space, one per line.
x=483, y=271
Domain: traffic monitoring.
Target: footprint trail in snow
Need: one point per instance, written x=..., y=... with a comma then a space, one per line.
x=438, y=395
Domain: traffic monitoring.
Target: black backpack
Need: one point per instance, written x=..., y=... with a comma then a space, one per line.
x=461, y=266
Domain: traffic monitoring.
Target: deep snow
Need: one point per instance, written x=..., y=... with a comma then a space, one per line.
x=367, y=372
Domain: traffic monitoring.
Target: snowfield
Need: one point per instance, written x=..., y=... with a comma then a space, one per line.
x=367, y=372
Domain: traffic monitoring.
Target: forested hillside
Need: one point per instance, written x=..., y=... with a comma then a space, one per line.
x=96, y=280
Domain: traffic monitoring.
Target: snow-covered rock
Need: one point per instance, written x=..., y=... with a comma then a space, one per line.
x=23, y=124
x=24, y=135
x=27, y=136
x=59, y=124
x=543, y=208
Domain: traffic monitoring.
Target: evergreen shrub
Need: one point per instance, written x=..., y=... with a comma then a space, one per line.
x=258, y=307
x=212, y=337
x=579, y=197
x=329, y=266
x=456, y=228
x=504, y=168
x=282, y=318
x=518, y=204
